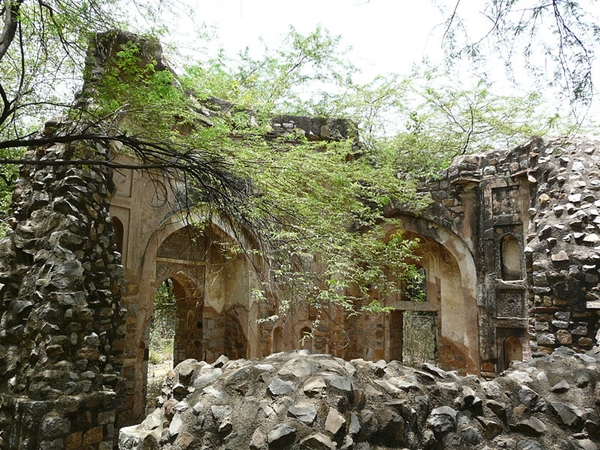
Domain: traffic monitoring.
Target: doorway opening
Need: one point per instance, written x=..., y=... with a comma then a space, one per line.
x=161, y=340
x=419, y=337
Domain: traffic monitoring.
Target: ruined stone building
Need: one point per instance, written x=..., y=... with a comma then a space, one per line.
x=509, y=248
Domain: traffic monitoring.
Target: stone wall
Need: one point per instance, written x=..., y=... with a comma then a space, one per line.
x=528, y=219
x=563, y=247
x=61, y=336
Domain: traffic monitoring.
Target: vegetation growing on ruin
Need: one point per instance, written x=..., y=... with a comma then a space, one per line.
x=306, y=203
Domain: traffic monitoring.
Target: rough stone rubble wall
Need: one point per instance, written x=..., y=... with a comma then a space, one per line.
x=296, y=400
x=61, y=333
x=564, y=246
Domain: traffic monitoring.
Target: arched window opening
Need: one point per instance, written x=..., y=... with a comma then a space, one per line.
x=278, y=340
x=307, y=339
x=119, y=234
x=510, y=259
x=513, y=350
x=415, y=286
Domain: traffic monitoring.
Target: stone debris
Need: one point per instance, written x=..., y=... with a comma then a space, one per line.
x=551, y=401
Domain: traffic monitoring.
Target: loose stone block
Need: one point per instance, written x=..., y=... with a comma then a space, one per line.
x=93, y=436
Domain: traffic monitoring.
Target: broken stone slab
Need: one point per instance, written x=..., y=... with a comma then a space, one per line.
x=560, y=387
x=207, y=378
x=584, y=444
x=219, y=395
x=379, y=367
x=561, y=256
x=528, y=397
x=528, y=444
x=304, y=412
x=280, y=387
x=318, y=441
x=442, y=419
x=334, y=421
x=314, y=386
x=532, y=426
x=258, y=440
x=575, y=198
x=338, y=382
x=298, y=368
x=497, y=408
x=568, y=414
x=281, y=436
x=354, y=427
x=176, y=425
x=491, y=428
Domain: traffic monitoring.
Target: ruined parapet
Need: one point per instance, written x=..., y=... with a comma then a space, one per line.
x=312, y=128
x=61, y=334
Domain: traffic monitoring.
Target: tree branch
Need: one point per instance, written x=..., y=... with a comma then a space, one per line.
x=11, y=12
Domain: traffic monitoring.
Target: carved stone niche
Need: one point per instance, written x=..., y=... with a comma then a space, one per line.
x=510, y=303
x=505, y=201
x=510, y=258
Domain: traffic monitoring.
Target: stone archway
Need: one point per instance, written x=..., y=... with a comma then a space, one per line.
x=212, y=288
x=182, y=258
x=451, y=301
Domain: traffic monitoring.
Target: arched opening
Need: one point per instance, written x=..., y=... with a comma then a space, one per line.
x=510, y=258
x=444, y=327
x=119, y=234
x=414, y=331
x=306, y=339
x=415, y=288
x=513, y=350
x=278, y=340
x=188, y=337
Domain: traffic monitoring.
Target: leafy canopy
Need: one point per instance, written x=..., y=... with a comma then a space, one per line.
x=308, y=204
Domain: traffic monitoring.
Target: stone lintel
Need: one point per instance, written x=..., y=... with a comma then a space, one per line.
x=516, y=285
x=415, y=306
x=512, y=322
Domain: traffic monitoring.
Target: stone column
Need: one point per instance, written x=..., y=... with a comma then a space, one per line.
x=60, y=287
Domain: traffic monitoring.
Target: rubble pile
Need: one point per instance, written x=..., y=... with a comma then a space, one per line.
x=298, y=400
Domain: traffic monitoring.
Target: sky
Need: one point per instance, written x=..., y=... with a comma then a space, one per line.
x=385, y=36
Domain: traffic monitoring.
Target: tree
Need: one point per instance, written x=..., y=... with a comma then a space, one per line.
x=553, y=40
x=298, y=198
x=137, y=102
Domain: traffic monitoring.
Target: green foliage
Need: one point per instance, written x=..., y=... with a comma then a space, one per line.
x=284, y=79
x=316, y=209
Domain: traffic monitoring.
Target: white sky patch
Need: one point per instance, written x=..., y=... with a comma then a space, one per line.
x=385, y=36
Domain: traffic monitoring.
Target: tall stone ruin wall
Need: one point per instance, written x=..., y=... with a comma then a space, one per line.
x=60, y=280
x=530, y=218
